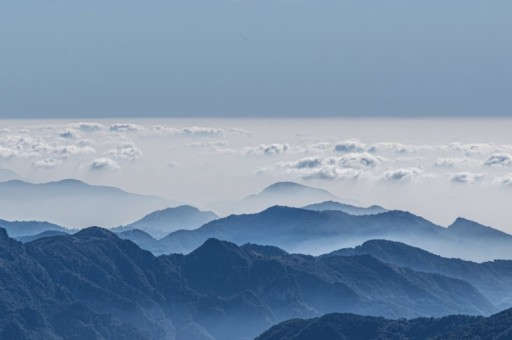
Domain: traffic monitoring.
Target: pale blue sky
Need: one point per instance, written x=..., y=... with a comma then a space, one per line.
x=98, y=58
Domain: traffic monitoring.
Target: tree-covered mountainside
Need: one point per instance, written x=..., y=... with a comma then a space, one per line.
x=354, y=327
x=94, y=285
x=493, y=278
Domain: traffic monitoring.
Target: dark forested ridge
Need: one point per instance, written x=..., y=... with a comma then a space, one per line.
x=493, y=278
x=94, y=285
x=354, y=327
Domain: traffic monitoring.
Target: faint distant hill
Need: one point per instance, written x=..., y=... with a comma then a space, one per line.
x=74, y=204
x=346, y=208
x=349, y=326
x=8, y=175
x=49, y=233
x=162, y=222
x=289, y=194
x=29, y=228
x=493, y=279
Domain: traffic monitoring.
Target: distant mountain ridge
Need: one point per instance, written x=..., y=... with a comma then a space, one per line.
x=74, y=204
x=29, y=228
x=162, y=222
x=95, y=285
x=346, y=208
x=315, y=232
x=310, y=231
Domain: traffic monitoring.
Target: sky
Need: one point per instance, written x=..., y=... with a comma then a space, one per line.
x=182, y=58
x=381, y=102
x=437, y=168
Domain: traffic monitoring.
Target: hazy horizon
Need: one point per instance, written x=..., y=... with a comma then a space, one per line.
x=437, y=168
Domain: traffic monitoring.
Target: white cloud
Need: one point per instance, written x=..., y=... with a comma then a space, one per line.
x=127, y=151
x=466, y=177
x=126, y=128
x=348, y=167
x=352, y=145
x=332, y=173
x=505, y=181
x=104, y=164
x=7, y=152
x=499, y=159
x=209, y=144
x=87, y=127
x=403, y=174
x=267, y=149
x=472, y=149
x=241, y=132
x=49, y=163
x=356, y=160
x=449, y=162
x=396, y=147
x=73, y=150
x=200, y=131
x=69, y=134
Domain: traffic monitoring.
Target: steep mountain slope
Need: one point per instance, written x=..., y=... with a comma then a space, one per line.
x=93, y=285
x=34, y=306
x=348, y=326
x=162, y=222
x=493, y=279
x=74, y=204
x=346, y=208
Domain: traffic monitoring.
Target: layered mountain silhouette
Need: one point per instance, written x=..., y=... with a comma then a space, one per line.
x=315, y=232
x=74, y=204
x=493, y=279
x=281, y=193
x=346, y=208
x=29, y=228
x=162, y=222
x=94, y=285
x=348, y=326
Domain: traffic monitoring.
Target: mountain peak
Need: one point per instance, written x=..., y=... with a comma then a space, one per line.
x=292, y=187
x=95, y=232
x=215, y=248
x=466, y=226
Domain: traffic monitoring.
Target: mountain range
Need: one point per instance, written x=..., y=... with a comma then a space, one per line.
x=348, y=326
x=316, y=232
x=75, y=204
x=94, y=285
x=298, y=230
x=493, y=279
x=346, y=208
